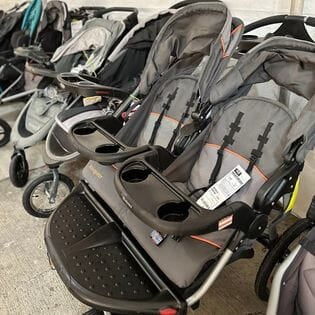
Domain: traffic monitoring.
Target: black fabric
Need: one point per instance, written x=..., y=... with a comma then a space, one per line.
x=9, y=23
x=165, y=108
x=126, y=70
x=50, y=39
x=256, y=154
x=185, y=115
x=227, y=140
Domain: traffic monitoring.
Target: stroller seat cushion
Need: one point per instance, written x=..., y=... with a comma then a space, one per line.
x=182, y=260
x=257, y=137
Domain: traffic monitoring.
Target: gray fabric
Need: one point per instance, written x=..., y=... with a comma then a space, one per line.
x=289, y=62
x=96, y=34
x=195, y=44
x=44, y=108
x=297, y=295
x=180, y=261
x=179, y=39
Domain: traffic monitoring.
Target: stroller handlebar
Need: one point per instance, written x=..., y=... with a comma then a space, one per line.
x=279, y=19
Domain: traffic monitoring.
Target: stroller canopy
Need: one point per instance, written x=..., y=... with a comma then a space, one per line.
x=98, y=35
x=178, y=40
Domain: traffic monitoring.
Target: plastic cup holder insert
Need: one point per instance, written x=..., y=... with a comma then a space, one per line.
x=135, y=174
x=84, y=130
x=107, y=148
x=174, y=211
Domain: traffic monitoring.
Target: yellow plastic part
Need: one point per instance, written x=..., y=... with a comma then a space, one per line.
x=294, y=196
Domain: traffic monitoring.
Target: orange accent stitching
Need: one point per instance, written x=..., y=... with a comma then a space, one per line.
x=241, y=157
x=165, y=116
x=198, y=238
x=224, y=54
x=236, y=29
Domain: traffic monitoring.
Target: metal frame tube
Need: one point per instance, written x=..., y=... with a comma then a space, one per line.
x=273, y=302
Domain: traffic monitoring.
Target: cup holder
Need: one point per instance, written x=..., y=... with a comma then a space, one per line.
x=249, y=37
x=174, y=211
x=135, y=174
x=107, y=148
x=84, y=130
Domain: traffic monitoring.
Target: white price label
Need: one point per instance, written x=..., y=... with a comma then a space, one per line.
x=224, y=188
x=76, y=25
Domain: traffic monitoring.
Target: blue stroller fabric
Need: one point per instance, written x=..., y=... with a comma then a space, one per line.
x=32, y=17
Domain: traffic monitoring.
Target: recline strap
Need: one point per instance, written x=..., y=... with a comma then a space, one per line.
x=166, y=107
x=185, y=115
x=256, y=154
x=227, y=140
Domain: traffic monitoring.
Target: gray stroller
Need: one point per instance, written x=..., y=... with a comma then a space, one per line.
x=58, y=148
x=152, y=234
x=83, y=52
x=293, y=285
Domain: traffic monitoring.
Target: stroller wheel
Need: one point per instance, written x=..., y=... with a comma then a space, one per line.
x=40, y=201
x=18, y=169
x=277, y=254
x=5, y=131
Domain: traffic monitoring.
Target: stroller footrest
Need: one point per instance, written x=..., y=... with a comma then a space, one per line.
x=94, y=262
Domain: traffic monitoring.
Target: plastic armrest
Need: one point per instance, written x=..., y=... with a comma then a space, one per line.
x=165, y=208
x=73, y=121
x=87, y=86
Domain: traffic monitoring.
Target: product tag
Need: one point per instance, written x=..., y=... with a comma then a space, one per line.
x=157, y=237
x=91, y=100
x=224, y=188
x=76, y=25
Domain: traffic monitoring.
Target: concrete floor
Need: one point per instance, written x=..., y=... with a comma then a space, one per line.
x=29, y=285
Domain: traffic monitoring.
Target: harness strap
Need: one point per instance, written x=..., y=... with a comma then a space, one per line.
x=256, y=154
x=227, y=140
x=166, y=107
x=185, y=115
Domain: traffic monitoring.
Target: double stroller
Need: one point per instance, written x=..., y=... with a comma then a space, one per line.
x=121, y=73
x=151, y=234
x=87, y=49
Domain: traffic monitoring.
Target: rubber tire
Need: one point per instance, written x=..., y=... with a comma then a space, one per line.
x=7, y=132
x=16, y=167
x=32, y=185
x=275, y=254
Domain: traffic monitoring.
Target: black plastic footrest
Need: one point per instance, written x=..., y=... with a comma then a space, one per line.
x=92, y=258
x=94, y=253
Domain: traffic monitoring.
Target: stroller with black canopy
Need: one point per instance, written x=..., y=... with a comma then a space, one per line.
x=168, y=227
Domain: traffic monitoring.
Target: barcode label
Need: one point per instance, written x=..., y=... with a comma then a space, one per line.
x=224, y=188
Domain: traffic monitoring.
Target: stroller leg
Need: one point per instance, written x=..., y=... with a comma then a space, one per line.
x=54, y=186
